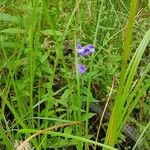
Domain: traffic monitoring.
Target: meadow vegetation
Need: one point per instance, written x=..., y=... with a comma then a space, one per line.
x=75, y=74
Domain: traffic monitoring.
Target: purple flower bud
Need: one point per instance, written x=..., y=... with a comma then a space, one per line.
x=82, y=69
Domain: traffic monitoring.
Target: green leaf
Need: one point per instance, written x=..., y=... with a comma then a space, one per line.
x=68, y=130
x=48, y=32
x=62, y=143
x=9, y=44
x=89, y=116
x=8, y=17
x=27, y=131
x=13, y=31
x=64, y=98
x=45, y=56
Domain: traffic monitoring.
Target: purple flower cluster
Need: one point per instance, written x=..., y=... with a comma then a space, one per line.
x=84, y=51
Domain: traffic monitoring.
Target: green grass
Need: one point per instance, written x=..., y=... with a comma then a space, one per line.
x=41, y=88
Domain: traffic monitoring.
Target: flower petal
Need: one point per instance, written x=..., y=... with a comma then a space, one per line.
x=90, y=47
x=81, y=68
x=79, y=48
x=85, y=52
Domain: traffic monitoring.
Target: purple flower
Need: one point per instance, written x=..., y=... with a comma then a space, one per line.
x=82, y=69
x=85, y=50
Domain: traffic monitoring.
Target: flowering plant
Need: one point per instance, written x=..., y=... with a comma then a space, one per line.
x=84, y=51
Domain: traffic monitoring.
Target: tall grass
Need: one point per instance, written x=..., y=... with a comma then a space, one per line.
x=127, y=98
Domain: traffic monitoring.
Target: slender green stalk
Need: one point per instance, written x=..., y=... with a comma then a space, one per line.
x=140, y=137
x=39, y=97
x=79, y=100
x=89, y=80
x=31, y=53
x=79, y=79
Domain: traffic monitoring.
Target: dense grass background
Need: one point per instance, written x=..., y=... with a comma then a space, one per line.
x=40, y=86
